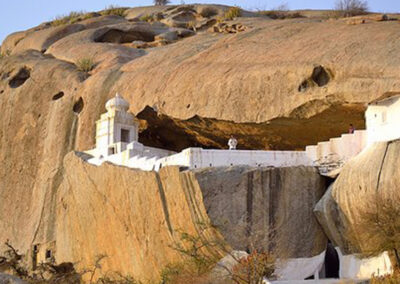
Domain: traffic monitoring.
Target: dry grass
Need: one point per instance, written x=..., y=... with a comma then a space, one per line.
x=387, y=279
x=209, y=12
x=280, y=15
x=114, y=10
x=253, y=268
x=85, y=64
x=71, y=18
x=233, y=13
x=378, y=229
x=146, y=18
x=5, y=54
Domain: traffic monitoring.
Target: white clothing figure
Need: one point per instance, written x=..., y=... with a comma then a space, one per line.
x=232, y=143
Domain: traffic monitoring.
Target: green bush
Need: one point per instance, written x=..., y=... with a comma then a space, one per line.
x=114, y=10
x=85, y=64
x=232, y=13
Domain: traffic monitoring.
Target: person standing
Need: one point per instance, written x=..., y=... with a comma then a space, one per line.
x=351, y=129
x=232, y=143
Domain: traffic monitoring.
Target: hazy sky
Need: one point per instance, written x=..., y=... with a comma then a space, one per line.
x=16, y=15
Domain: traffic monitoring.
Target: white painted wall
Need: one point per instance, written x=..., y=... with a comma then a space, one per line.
x=300, y=268
x=352, y=267
x=341, y=148
x=383, y=120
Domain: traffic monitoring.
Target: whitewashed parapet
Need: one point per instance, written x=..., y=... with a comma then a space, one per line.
x=202, y=158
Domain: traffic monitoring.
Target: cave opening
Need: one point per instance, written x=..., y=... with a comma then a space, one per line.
x=78, y=106
x=291, y=133
x=119, y=36
x=58, y=96
x=20, y=78
x=332, y=264
x=320, y=76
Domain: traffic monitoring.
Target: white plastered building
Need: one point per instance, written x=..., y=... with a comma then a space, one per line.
x=117, y=142
x=383, y=119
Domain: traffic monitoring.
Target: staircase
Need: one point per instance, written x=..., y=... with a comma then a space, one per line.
x=330, y=156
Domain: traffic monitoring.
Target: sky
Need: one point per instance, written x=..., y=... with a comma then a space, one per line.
x=17, y=15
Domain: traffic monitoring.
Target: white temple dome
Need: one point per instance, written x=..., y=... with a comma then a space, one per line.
x=117, y=103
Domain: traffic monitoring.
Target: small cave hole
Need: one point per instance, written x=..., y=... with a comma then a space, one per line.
x=48, y=254
x=2, y=91
x=58, y=96
x=118, y=36
x=320, y=76
x=303, y=86
x=188, y=106
x=332, y=264
x=21, y=77
x=78, y=106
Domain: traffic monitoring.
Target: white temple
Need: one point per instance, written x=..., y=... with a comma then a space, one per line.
x=117, y=142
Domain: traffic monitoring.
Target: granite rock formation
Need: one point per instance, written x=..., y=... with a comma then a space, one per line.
x=372, y=175
x=266, y=208
x=276, y=85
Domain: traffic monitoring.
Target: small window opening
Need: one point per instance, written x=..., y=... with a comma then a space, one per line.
x=111, y=151
x=210, y=165
x=125, y=135
x=48, y=254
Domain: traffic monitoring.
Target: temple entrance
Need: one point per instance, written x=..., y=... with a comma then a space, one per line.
x=125, y=135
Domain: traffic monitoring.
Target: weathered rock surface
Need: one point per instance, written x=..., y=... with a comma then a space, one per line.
x=130, y=216
x=269, y=209
x=9, y=279
x=372, y=174
x=278, y=84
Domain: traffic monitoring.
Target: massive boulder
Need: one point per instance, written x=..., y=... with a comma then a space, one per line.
x=268, y=209
x=371, y=176
x=133, y=218
x=277, y=85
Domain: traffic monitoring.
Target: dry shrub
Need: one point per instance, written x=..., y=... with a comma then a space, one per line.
x=71, y=18
x=161, y=2
x=252, y=269
x=233, y=13
x=85, y=64
x=378, y=229
x=146, y=18
x=281, y=15
x=387, y=279
x=350, y=8
x=209, y=12
x=114, y=10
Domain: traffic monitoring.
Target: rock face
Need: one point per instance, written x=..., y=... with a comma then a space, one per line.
x=130, y=216
x=374, y=173
x=278, y=84
x=266, y=208
x=133, y=218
